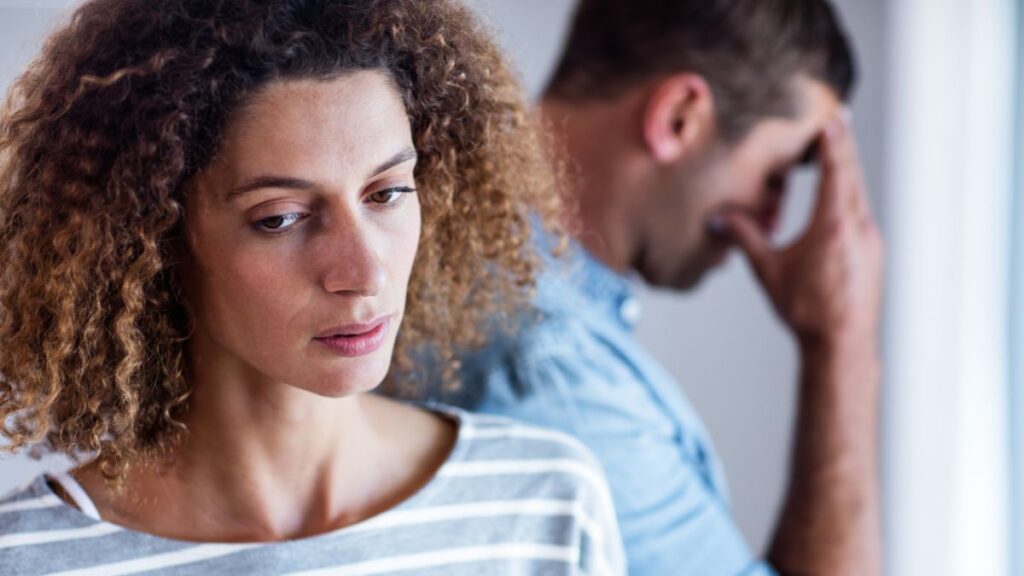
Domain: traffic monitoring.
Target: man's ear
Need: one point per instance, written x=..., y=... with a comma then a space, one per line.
x=679, y=113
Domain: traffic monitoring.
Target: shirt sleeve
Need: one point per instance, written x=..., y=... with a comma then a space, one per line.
x=671, y=519
x=601, y=547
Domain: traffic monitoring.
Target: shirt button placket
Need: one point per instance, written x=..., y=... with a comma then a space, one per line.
x=630, y=310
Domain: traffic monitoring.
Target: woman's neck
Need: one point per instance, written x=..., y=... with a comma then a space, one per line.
x=265, y=461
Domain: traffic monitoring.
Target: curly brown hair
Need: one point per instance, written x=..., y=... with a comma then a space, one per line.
x=127, y=102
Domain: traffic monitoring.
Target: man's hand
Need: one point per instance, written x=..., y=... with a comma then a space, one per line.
x=827, y=285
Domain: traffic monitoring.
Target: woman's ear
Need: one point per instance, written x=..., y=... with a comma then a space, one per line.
x=178, y=249
x=678, y=116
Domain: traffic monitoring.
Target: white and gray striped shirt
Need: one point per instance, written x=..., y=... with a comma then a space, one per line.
x=510, y=499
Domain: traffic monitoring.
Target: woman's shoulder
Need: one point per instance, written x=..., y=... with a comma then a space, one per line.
x=498, y=446
x=30, y=505
x=493, y=435
x=548, y=471
x=36, y=527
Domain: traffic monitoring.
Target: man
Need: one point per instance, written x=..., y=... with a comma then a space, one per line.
x=679, y=121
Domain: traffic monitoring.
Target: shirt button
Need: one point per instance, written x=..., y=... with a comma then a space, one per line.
x=630, y=310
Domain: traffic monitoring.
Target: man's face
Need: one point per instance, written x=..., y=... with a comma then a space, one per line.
x=749, y=176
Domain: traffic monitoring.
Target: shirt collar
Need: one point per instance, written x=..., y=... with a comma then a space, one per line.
x=597, y=281
x=611, y=293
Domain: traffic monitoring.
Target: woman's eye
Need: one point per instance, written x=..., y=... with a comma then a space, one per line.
x=389, y=195
x=279, y=222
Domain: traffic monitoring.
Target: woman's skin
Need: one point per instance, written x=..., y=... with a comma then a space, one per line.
x=307, y=221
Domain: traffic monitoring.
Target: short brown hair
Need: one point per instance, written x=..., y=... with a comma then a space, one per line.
x=100, y=138
x=749, y=51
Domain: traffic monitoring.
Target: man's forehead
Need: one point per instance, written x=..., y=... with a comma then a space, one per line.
x=816, y=101
x=817, y=104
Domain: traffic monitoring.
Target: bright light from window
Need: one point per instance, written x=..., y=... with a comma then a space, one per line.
x=950, y=194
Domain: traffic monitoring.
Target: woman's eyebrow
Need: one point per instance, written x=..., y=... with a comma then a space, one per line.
x=400, y=158
x=271, y=181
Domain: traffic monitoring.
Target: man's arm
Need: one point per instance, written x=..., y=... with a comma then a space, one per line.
x=830, y=521
x=827, y=288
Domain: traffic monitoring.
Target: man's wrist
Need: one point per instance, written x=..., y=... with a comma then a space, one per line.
x=857, y=346
x=845, y=368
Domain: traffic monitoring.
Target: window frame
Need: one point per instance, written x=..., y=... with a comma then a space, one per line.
x=1016, y=328
x=949, y=196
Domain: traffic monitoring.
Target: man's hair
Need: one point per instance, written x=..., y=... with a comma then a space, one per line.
x=749, y=52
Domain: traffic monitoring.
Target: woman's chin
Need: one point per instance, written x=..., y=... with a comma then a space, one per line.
x=347, y=380
x=331, y=375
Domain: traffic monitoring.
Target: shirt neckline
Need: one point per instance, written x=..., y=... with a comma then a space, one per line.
x=74, y=490
x=425, y=493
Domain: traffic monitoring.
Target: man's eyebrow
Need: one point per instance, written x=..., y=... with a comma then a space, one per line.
x=271, y=181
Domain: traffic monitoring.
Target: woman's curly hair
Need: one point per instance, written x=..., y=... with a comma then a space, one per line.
x=100, y=138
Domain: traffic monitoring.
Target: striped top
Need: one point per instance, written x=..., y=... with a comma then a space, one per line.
x=510, y=499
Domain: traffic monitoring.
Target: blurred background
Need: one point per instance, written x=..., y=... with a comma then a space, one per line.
x=939, y=113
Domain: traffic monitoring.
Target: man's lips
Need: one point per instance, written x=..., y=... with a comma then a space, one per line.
x=767, y=215
x=770, y=211
x=768, y=218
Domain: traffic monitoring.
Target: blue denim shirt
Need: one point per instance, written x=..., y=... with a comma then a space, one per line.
x=578, y=368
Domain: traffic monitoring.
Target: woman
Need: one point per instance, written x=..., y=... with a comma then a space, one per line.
x=211, y=214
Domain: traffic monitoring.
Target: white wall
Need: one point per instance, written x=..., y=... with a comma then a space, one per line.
x=721, y=342
x=22, y=29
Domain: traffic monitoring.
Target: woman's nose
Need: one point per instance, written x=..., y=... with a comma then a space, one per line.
x=353, y=262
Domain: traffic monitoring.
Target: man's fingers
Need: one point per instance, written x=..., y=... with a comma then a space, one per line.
x=840, y=177
x=865, y=215
x=745, y=230
x=828, y=205
x=858, y=196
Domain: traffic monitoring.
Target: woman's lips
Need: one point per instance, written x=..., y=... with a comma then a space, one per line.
x=356, y=339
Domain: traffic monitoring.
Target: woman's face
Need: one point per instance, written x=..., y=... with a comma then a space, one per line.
x=302, y=236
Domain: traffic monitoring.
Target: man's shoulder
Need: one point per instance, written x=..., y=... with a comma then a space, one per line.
x=553, y=350
x=561, y=323
x=538, y=332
